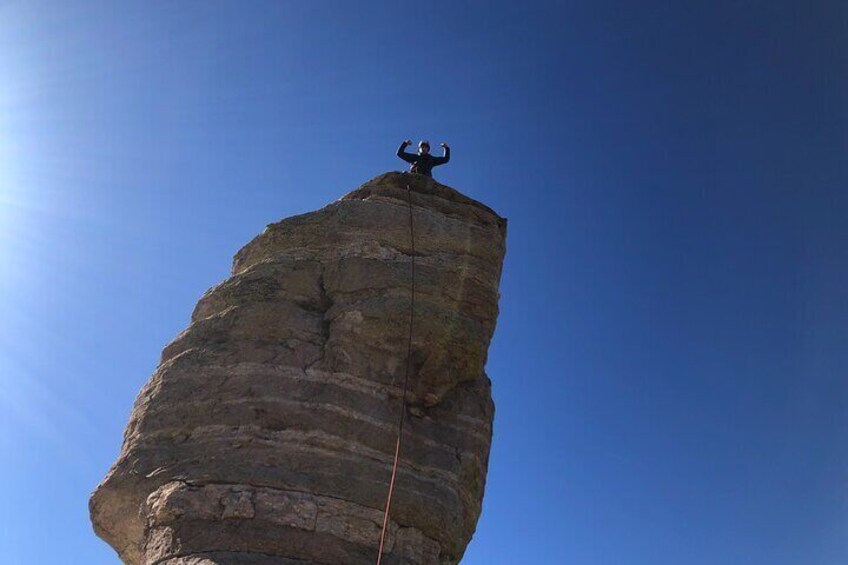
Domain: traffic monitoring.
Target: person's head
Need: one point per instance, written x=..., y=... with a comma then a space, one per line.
x=423, y=147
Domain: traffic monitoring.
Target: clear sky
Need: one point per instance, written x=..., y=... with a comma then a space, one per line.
x=670, y=361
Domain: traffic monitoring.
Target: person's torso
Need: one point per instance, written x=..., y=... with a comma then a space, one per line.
x=423, y=164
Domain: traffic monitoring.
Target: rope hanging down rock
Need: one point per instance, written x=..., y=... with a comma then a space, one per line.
x=405, y=382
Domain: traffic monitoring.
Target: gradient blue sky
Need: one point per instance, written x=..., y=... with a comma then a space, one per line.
x=670, y=362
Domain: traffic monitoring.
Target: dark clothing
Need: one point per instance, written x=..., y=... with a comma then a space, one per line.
x=422, y=164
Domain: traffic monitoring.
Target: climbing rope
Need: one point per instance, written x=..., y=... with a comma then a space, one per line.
x=405, y=383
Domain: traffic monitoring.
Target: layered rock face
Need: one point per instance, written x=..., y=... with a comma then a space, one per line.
x=267, y=432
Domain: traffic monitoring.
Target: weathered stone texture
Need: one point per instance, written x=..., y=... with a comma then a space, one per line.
x=266, y=434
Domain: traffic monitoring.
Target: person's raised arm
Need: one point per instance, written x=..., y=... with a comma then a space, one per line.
x=445, y=158
x=408, y=157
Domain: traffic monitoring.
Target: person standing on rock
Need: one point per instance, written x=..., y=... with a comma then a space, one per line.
x=423, y=163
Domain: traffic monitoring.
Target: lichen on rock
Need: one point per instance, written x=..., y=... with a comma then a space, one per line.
x=266, y=434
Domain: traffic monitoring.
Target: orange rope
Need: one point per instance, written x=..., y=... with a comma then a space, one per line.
x=405, y=383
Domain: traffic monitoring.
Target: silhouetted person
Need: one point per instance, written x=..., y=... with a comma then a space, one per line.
x=423, y=163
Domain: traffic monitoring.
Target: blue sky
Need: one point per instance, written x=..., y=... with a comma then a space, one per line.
x=670, y=361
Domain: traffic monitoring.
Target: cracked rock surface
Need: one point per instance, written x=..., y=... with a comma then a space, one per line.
x=267, y=432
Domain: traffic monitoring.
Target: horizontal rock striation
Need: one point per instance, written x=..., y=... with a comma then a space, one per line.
x=267, y=432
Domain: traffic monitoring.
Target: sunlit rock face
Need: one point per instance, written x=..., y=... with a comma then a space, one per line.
x=267, y=432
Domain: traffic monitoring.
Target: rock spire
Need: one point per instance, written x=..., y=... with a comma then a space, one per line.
x=266, y=434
